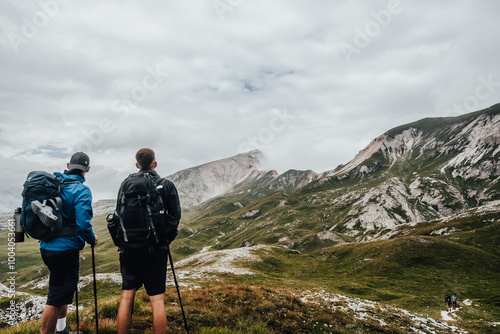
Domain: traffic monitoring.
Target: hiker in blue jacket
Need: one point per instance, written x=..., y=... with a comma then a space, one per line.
x=61, y=255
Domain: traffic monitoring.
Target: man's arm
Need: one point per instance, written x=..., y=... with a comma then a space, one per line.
x=172, y=203
x=83, y=216
x=173, y=207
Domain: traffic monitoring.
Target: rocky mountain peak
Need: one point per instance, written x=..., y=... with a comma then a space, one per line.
x=465, y=140
x=197, y=184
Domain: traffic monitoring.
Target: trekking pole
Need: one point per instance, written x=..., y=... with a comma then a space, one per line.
x=177, y=286
x=77, y=319
x=95, y=292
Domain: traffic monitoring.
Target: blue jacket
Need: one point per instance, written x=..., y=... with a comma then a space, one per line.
x=76, y=211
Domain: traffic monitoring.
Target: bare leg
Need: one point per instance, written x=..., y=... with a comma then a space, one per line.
x=159, y=314
x=124, y=317
x=49, y=318
x=62, y=312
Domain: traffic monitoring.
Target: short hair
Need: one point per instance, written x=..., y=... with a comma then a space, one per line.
x=145, y=158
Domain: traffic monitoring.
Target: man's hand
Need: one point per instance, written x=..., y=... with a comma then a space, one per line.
x=96, y=240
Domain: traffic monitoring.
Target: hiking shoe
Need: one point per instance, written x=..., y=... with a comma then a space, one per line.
x=65, y=330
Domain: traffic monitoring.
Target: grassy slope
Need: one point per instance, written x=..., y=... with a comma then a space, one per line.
x=413, y=270
x=233, y=308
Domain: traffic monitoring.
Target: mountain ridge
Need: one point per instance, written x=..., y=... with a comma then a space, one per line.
x=421, y=173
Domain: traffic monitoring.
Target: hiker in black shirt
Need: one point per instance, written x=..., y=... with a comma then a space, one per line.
x=146, y=265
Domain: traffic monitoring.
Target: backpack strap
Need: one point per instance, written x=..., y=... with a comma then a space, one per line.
x=121, y=211
x=120, y=215
x=148, y=201
x=160, y=189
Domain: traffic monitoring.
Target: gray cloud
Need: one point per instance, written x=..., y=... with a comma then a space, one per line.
x=197, y=84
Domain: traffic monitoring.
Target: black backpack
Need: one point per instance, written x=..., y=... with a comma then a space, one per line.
x=41, y=210
x=140, y=220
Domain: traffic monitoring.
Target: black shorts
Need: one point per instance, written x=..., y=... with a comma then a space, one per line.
x=144, y=267
x=63, y=267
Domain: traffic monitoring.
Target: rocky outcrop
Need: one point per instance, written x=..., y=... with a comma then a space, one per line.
x=421, y=171
x=479, y=146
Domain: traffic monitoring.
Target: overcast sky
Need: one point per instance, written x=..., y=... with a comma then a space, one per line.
x=310, y=83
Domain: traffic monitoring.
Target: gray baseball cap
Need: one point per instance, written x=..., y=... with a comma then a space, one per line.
x=80, y=161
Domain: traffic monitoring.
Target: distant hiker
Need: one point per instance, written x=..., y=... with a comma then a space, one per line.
x=145, y=222
x=61, y=255
x=447, y=301
x=454, y=300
